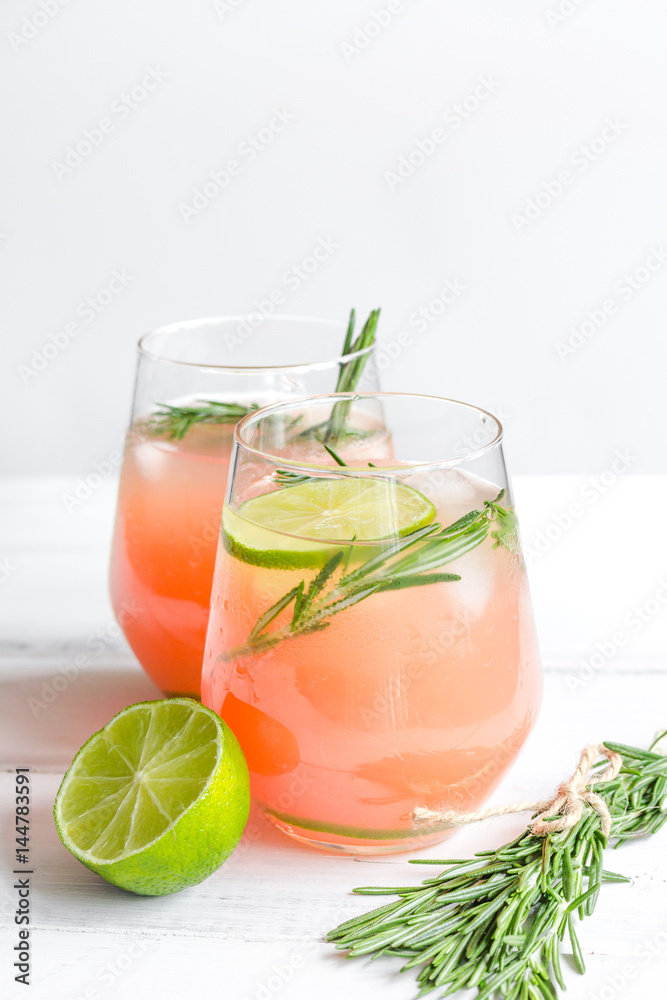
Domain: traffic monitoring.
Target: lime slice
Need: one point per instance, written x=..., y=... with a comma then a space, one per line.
x=157, y=799
x=297, y=525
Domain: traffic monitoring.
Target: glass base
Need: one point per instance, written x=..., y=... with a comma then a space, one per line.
x=335, y=843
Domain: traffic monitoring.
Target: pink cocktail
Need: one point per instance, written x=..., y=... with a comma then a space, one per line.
x=194, y=382
x=419, y=692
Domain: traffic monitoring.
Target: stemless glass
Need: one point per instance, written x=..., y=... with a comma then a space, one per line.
x=371, y=640
x=173, y=477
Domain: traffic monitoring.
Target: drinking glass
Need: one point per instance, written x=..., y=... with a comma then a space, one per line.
x=174, y=471
x=371, y=640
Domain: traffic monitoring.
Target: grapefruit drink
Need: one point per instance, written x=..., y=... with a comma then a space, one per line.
x=371, y=640
x=194, y=382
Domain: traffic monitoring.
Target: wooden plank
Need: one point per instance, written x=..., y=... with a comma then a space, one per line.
x=267, y=909
x=278, y=890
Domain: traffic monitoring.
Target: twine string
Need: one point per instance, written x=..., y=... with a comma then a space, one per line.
x=561, y=812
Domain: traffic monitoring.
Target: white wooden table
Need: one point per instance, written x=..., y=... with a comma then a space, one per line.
x=254, y=930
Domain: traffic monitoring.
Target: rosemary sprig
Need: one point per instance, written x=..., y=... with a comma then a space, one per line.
x=414, y=560
x=507, y=531
x=174, y=422
x=350, y=372
x=497, y=922
x=284, y=477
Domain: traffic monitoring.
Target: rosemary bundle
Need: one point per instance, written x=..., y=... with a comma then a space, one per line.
x=497, y=922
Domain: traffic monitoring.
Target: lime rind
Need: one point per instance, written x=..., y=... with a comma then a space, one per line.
x=158, y=836
x=255, y=545
x=79, y=785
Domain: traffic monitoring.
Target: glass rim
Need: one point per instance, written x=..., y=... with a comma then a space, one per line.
x=373, y=472
x=303, y=366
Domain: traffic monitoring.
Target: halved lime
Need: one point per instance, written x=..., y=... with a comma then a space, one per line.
x=157, y=799
x=297, y=525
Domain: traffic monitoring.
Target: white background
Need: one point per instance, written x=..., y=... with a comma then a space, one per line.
x=359, y=104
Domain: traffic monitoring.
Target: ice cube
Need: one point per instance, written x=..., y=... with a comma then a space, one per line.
x=456, y=492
